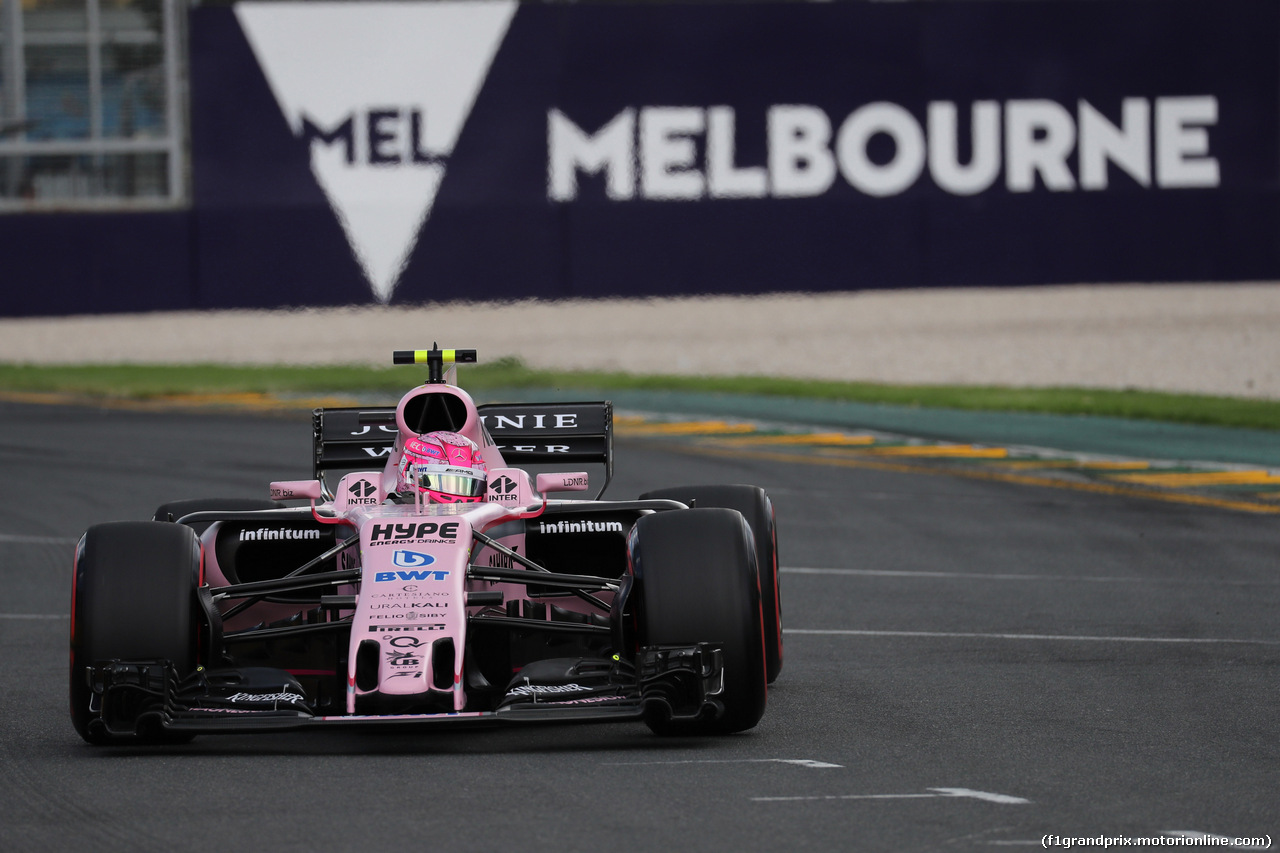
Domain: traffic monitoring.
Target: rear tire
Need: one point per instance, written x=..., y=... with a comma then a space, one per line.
x=695, y=582
x=754, y=504
x=132, y=598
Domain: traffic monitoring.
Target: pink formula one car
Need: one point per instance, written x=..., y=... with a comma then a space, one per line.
x=441, y=588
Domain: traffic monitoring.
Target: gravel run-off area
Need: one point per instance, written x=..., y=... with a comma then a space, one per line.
x=1214, y=339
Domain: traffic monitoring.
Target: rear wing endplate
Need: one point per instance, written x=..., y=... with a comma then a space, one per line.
x=353, y=439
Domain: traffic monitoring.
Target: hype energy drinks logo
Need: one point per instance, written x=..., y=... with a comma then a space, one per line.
x=380, y=91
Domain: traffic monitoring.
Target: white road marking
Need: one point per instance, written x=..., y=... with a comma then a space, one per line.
x=981, y=795
x=1059, y=637
x=34, y=616
x=799, y=762
x=936, y=793
x=37, y=540
x=896, y=573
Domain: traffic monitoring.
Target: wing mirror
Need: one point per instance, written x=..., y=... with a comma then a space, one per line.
x=571, y=482
x=296, y=490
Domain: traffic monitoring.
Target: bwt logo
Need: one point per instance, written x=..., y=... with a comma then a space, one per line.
x=438, y=575
x=411, y=559
x=381, y=136
x=688, y=153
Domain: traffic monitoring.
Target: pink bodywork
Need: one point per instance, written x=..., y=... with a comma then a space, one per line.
x=414, y=591
x=413, y=560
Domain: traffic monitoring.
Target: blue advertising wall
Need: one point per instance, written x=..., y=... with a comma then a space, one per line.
x=671, y=149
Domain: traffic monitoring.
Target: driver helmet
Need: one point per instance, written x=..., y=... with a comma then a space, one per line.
x=443, y=467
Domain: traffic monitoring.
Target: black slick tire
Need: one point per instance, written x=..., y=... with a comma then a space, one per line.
x=695, y=581
x=754, y=504
x=132, y=598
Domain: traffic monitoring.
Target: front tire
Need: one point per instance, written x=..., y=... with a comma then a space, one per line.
x=754, y=504
x=132, y=598
x=696, y=581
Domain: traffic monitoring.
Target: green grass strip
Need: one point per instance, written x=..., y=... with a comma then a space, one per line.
x=149, y=381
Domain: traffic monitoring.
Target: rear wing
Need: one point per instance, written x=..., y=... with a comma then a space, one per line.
x=353, y=439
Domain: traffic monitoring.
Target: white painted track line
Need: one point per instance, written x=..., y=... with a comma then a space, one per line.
x=894, y=573
x=840, y=632
x=799, y=762
x=934, y=793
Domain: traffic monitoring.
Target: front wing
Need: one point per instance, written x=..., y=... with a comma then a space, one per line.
x=146, y=697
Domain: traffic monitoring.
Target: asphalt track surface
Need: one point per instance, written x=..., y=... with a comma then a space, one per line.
x=970, y=665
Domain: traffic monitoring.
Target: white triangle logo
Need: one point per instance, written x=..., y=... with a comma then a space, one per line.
x=382, y=90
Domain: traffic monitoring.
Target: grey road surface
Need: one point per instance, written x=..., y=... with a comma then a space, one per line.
x=970, y=666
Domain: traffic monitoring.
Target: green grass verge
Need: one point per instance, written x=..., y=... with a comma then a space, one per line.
x=145, y=381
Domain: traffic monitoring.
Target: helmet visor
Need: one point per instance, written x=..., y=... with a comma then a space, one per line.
x=449, y=482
